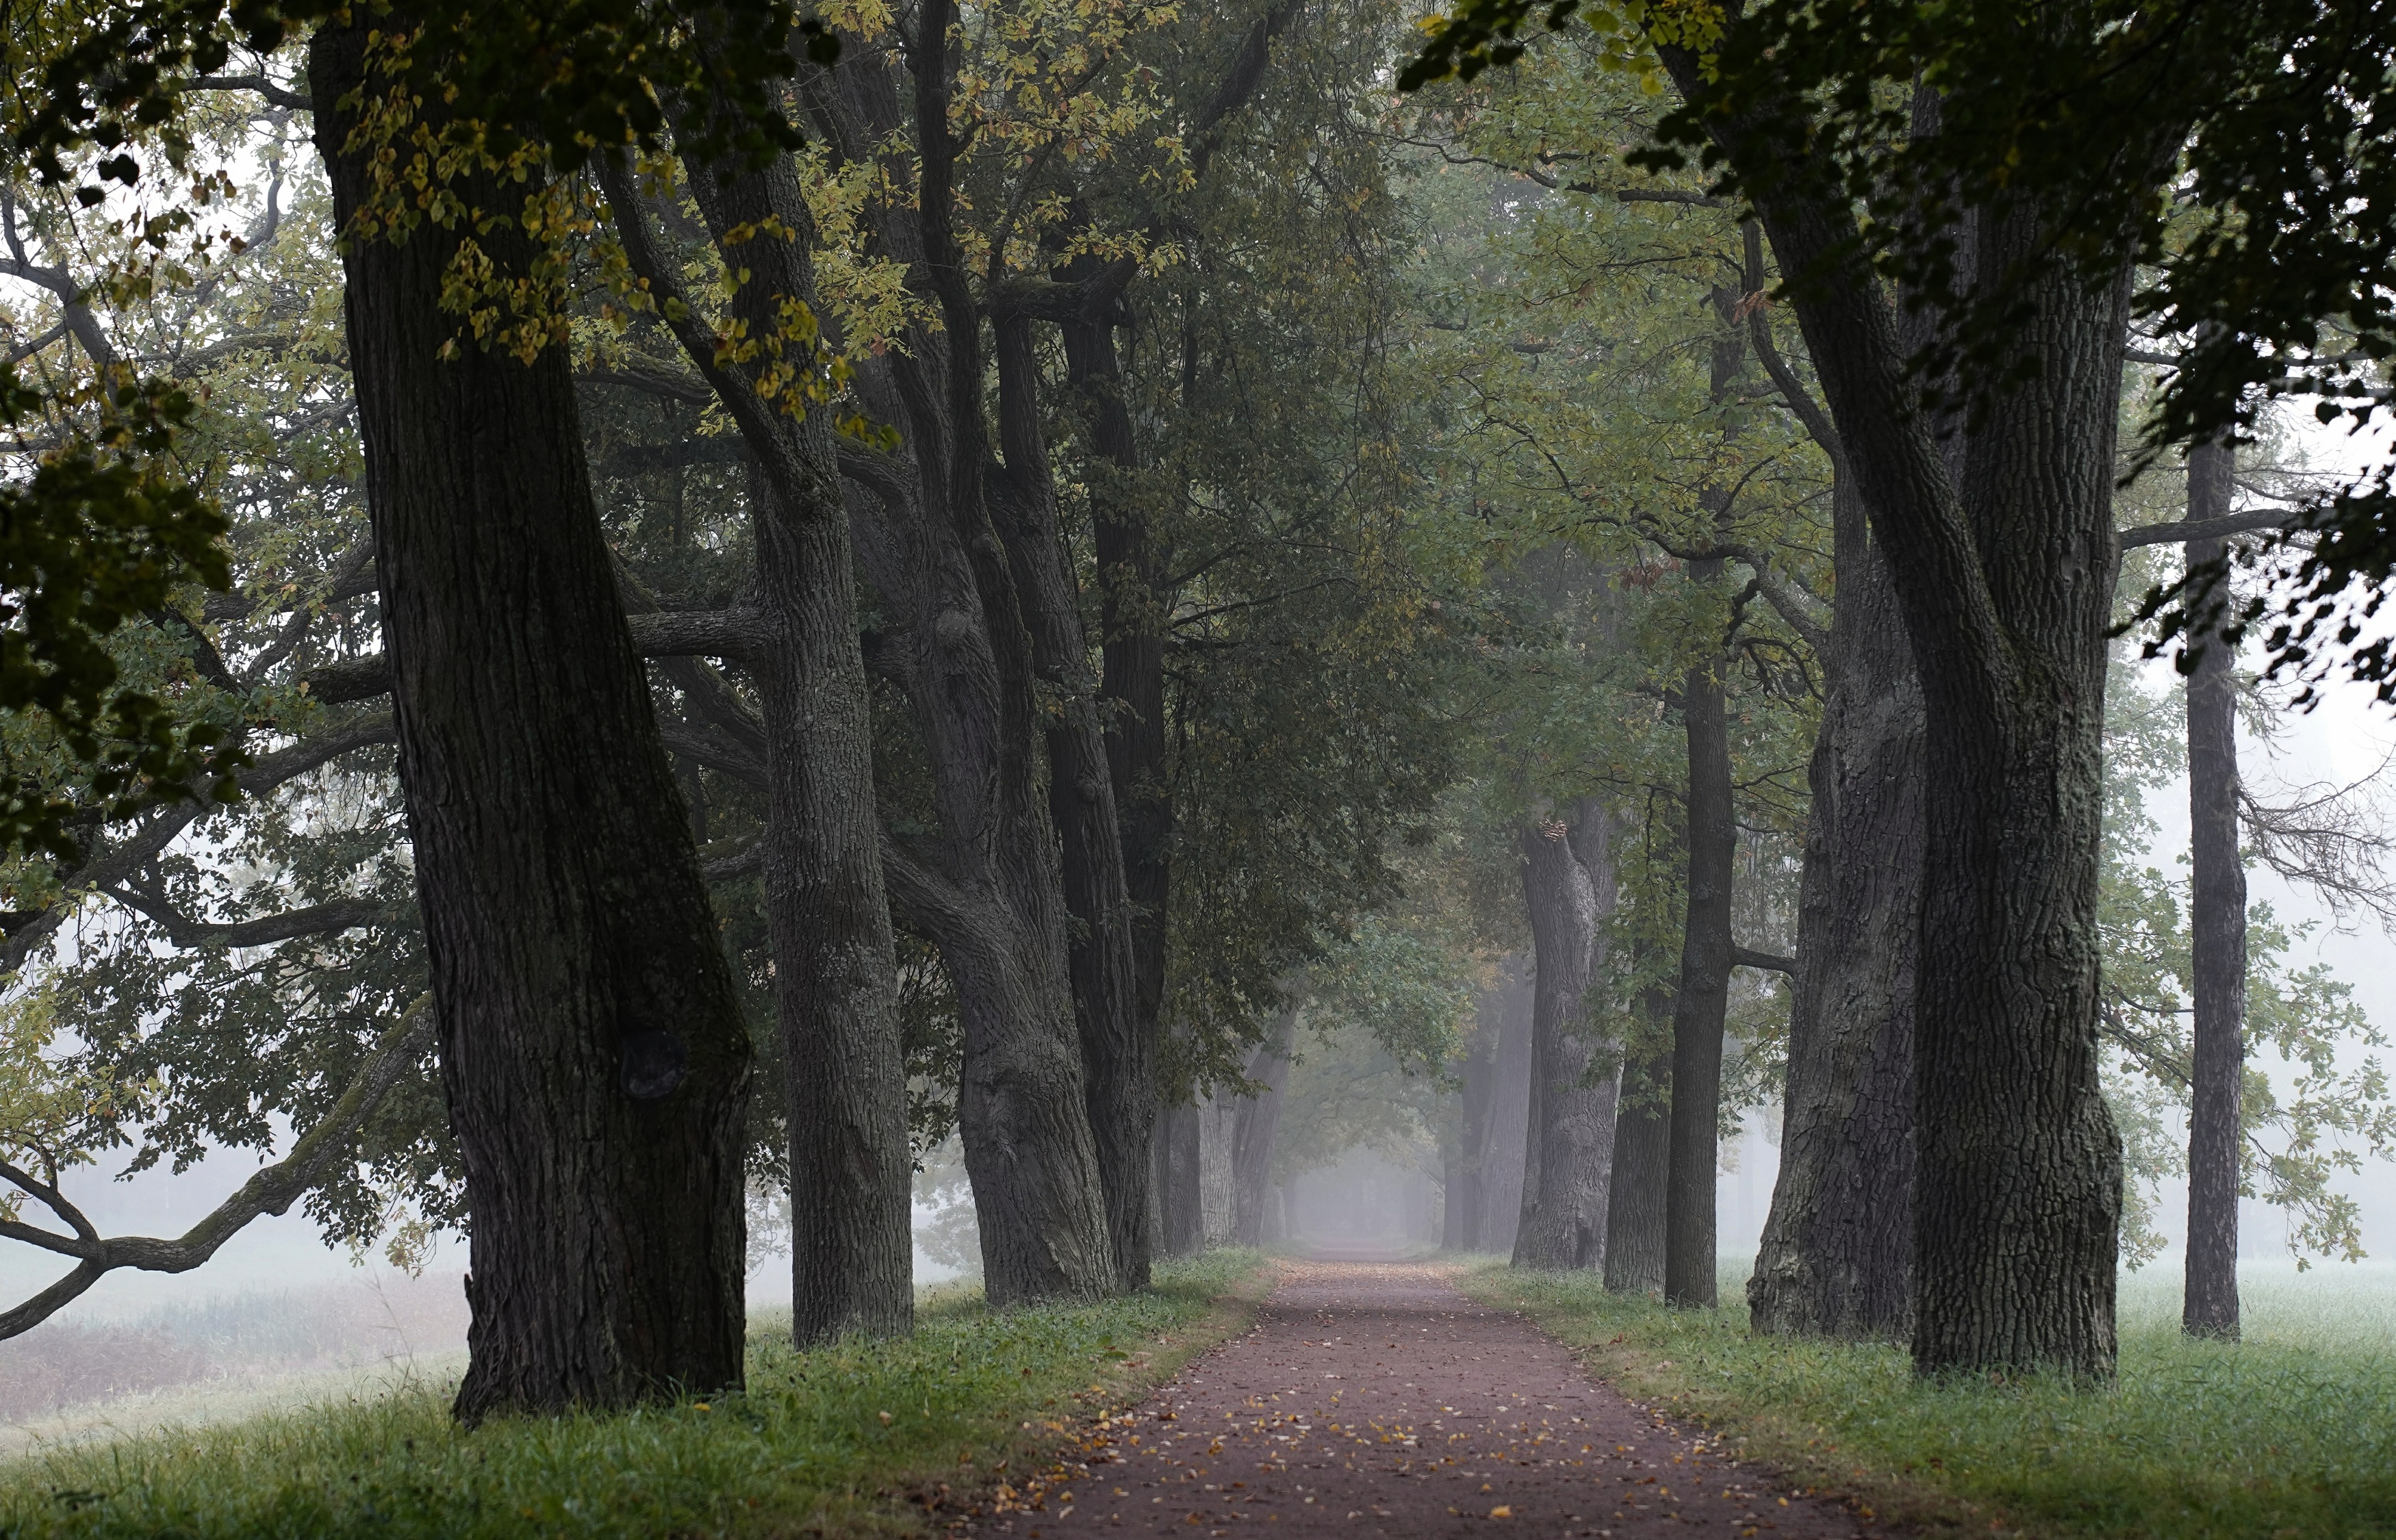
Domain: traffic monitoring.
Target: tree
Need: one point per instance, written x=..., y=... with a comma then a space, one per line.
x=2218, y=912
x=1568, y=890
x=1608, y=404
x=2014, y=205
x=820, y=855
x=592, y=1048
x=238, y=961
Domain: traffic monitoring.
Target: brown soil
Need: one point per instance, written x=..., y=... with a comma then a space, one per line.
x=1375, y=1400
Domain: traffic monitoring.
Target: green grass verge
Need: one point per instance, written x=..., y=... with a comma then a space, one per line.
x=2288, y=1435
x=847, y=1439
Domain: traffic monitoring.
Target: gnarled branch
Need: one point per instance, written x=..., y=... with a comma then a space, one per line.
x=270, y=1190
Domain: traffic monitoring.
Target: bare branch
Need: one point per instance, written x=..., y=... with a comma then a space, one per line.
x=671, y=384
x=1815, y=636
x=1743, y=957
x=1801, y=401
x=2210, y=529
x=324, y=919
x=140, y=846
x=280, y=96
x=714, y=750
x=747, y=861
x=736, y=632
x=2335, y=838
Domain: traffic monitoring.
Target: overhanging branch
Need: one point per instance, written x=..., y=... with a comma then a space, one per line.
x=271, y=1192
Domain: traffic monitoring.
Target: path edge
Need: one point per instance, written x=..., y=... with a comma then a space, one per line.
x=1112, y=1391
x=1774, y=1440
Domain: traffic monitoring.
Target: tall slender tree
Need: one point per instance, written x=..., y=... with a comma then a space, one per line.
x=851, y=1256
x=2217, y=935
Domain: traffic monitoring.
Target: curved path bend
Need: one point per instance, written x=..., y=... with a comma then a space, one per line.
x=1375, y=1400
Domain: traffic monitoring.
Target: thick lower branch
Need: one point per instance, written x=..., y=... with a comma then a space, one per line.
x=272, y=1190
x=1746, y=958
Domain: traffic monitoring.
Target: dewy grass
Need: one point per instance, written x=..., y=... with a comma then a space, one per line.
x=2290, y=1433
x=844, y=1439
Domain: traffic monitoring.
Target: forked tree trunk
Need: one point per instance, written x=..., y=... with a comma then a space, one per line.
x=1837, y=1252
x=968, y=641
x=1568, y=887
x=1703, y=1000
x=2217, y=926
x=1118, y=1044
x=1131, y=681
x=2006, y=579
x=592, y=1047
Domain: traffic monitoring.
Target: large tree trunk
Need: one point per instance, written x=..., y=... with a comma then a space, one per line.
x=2005, y=579
x=1118, y=1041
x=1181, y=1202
x=2018, y=1186
x=2217, y=916
x=1643, y=1161
x=988, y=889
x=1704, y=996
x=852, y=1248
x=592, y=1047
x=1131, y=684
x=1504, y=1153
x=1256, y=1131
x=1837, y=1251
x=1568, y=887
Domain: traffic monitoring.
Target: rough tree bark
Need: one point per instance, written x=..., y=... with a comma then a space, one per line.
x=852, y=1250
x=1029, y=888
x=1643, y=1161
x=1836, y=1257
x=1109, y=786
x=1703, y=1000
x=592, y=1047
x=2217, y=926
x=1131, y=684
x=397, y=1057
x=1118, y=1044
x=1182, y=1198
x=988, y=888
x=1568, y=887
x=2005, y=577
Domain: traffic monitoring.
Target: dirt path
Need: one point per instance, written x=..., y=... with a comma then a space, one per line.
x=1375, y=1400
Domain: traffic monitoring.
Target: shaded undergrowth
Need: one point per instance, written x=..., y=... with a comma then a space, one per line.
x=2288, y=1435
x=861, y=1438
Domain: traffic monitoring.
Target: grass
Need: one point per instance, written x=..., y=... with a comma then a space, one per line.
x=854, y=1439
x=2288, y=1435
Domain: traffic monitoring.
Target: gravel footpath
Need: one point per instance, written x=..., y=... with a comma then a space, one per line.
x=1375, y=1400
